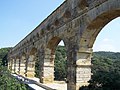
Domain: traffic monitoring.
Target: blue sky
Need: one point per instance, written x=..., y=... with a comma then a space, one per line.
x=19, y=17
x=109, y=38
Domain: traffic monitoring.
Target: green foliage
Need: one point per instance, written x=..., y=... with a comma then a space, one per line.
x=3, y=55
x=60, y=63
x=8, y=82
x=106, y=72
x=106, y=69
x=3, y=52
x=111, y=55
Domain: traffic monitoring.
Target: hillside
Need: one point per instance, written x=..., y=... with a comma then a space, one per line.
x=111, y=55
x=3, y=55
x=105, y=69
x=7, y=82
x=3, y=52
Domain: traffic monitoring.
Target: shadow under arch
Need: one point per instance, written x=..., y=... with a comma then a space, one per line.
x=49, y=57
x=33, y=51
x=53, y=43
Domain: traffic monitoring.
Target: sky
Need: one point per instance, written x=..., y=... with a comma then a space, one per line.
x=19, y=17
x=109, y=37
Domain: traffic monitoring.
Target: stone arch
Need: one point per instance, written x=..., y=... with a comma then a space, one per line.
x=49, y=57
x=96, y=19
x=53, y=42
x=33, y=51
x=88, y=38
x=89, y=35
x=78, y=21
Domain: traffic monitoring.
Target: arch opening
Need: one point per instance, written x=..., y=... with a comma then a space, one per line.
x=55, y=61
x=93, y=29
x=107, y=39
x=90, y=35
x=106, y=56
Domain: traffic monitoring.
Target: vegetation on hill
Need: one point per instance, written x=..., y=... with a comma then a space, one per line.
x=106, y=71
x=60, y=63
x=111, y=55
x=3, y=55
x=7, y=82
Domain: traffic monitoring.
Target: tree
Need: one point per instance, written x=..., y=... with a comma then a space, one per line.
x=60, y=63
x=106, y=72
x=7, y=81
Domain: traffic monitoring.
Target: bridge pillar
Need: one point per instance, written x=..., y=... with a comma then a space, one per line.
x=10, y=63
x=14, y=66
x=17, y=66
x=40, y=59
x=83, y=70
x=71, y=68
x=26, y=65
x=79, y=67
x=22, y=66
x=31, y=66
x=48, y=68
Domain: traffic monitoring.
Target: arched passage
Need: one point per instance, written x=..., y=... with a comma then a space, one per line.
x=80, y=29
x=108, y=38
x=89, y=36
x=48, y=69
x=60, y=63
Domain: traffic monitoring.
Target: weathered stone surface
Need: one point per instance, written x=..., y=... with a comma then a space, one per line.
x=77, y=23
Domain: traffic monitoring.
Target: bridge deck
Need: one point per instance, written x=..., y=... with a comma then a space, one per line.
x=57, y=86
x=35, y=85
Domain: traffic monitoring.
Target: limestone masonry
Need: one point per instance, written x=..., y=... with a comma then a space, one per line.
x=77, y=23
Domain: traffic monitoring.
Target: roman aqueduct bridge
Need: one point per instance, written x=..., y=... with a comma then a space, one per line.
x=77, y=23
